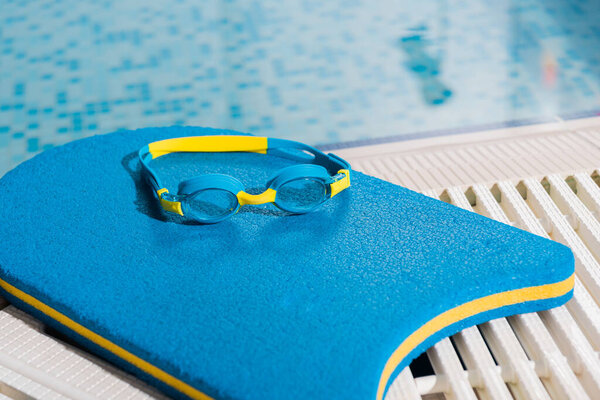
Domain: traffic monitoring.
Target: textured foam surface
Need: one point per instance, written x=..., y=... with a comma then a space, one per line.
x=262, y=305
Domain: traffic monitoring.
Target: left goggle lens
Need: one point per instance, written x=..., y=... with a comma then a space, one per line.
x=210, y=205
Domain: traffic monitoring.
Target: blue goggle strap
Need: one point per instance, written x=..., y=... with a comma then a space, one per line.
x=289, y=149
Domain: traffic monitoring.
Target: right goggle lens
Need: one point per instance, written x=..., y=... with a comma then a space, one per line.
x=301, y=195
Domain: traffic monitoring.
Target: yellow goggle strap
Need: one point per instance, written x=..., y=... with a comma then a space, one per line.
x=171, y=206
x=216, y=143
x=340, y=184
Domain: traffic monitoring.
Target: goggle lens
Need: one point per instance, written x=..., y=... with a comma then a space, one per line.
x=210, y=205
x=301, y=195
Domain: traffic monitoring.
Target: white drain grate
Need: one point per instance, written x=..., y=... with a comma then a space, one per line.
x=539, y=178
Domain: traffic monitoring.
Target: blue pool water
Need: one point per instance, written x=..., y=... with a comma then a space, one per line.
x=321, y=72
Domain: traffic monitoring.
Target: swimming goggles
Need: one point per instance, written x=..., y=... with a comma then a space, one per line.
x=212, y=198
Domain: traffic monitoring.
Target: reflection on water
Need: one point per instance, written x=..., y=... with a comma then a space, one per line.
x=321, y=72
x=426, y=67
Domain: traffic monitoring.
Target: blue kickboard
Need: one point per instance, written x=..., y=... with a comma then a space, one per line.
x=330, y=304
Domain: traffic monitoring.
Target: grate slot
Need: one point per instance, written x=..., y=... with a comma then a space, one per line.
x=445, y=362
x=404, y=387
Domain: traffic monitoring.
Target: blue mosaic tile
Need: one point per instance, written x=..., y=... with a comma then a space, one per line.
x=321, y=72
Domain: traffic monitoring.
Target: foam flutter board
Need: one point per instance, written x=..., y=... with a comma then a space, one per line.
x=330, y=304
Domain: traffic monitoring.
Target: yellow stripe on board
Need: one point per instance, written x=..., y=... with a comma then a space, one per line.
x=145, y=366
x=438, y=323
x=467, y=310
